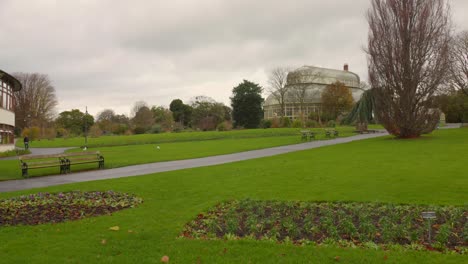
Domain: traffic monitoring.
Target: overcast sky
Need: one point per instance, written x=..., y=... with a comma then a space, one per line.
x=111, y=53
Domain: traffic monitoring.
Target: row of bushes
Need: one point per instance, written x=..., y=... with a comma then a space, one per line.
x=36, y=133
x=286, y=122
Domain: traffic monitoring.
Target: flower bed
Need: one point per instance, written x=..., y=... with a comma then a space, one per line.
x=353, y=224
x=60, y=207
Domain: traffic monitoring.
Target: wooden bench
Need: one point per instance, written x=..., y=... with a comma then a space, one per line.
x=62, y=161
x=75, y=158
x=367, y=131
x=307, y=135
x=329, y=133
x=41, y=161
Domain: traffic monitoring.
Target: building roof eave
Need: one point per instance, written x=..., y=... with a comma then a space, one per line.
x=15, y=84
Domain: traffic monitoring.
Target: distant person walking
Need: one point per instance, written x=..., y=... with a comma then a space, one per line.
x=26, y=142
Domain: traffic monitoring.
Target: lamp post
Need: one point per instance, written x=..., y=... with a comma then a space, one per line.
x=86, y=129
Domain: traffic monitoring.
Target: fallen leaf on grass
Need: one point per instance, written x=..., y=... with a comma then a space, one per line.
x=114, y=228
x=103, y=241
x=165, y=259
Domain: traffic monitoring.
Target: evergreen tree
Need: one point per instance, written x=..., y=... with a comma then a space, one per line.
x=181, y=112
x=246, y=103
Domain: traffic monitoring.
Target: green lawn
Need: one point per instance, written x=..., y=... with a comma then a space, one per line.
x=429, y=170
x=118, y=156
x=170, y=137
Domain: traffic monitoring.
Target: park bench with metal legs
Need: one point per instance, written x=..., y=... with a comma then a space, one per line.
x=40, y=162
x=75, y=158
x=329, y=133
x=63, y=161
x=307, y=135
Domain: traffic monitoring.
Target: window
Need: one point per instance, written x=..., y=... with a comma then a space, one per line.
x=6, y=96
x=288, y=111
x=6, y=134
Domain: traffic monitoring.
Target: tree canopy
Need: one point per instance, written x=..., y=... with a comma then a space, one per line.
x=74, y=121
x=207, y=113
x=143, y=120
x=336, y=99
x=246, y=103
x=181, y=112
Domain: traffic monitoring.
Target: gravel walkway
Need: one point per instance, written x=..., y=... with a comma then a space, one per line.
x=143, y=169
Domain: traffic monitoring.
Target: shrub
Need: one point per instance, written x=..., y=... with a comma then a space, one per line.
x=156, y=129
x=314, y=116
x=48, y=133
x=266, y=123
x=331, y=123
x=178, y=127
x=285, y=122
x=32, y=133
x=325, y=117
x=275, y=123
x=221, y=127
x=312, y=123
x=297, y=123
x=224, y=126
x=95, y=131
x=62, y=133
x=139, y=130
x=120, y=129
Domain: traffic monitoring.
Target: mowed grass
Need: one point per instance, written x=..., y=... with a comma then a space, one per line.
x=171, y=137
x=430, y=170
x=119, y=156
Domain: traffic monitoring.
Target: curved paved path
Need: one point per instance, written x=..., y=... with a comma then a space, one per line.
x=143, y=169
x=40, y=151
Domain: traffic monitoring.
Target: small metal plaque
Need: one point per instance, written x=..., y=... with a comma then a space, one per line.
x=428, y=215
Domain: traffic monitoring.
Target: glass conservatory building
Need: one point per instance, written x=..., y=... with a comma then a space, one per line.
x=8, y=85
x=306, y=85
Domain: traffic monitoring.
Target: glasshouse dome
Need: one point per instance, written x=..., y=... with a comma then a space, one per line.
x=310, y=82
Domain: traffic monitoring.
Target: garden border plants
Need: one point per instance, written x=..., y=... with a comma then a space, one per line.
x=43, y=208
x=370, y=225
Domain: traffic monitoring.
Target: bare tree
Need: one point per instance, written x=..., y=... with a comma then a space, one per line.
x=137, y=106
x=35, y=103
x=105, y=120
x=300, y=85
x=459, y=57
x=105, y=115
x=143, y=120
x=408, y=57
x=277, y=86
